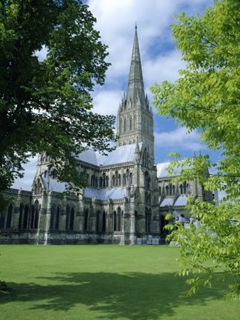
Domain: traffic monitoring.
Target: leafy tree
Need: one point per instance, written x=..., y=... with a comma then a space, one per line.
x=207, y=97
x=45, y=104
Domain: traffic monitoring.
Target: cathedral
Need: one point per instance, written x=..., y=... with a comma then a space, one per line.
x=127, y=195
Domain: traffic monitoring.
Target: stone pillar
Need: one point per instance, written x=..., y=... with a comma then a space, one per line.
x=80, y=214
x=109, y=213
x=110, y=179
x=62, y=221
x=93, y=216
x=132, y=233
x=16, y=211
x=48, y=217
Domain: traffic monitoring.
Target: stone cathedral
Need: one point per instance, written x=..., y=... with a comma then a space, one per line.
x=127, y=194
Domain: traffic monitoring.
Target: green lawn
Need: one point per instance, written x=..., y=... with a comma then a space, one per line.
x=103, y=282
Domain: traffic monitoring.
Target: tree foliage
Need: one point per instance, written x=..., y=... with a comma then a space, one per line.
x=45, y=104
x=207, y=97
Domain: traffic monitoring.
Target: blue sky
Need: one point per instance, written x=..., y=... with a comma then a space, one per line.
x=160, y=61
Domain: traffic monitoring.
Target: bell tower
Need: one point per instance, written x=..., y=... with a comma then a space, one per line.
x=135, y=118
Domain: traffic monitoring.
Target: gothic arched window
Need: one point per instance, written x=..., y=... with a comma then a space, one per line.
x=92, y=180
x=104, y=222
x=71, y=220
x=130, y=123
x=21, y=211
x=173, y=189
x=167, y=190
x=67, y=216
x=113, y=181
x=181, y=189
x=98, y=222
x=119, y=219
x=124, y=125
x=148, y=215
x=114, y=221
x=86, y=220
x=120, y=125
x=119, y=180
x=145, y=158
x=34, y=215
x=124, y=179
x=104, y=181
x=52, y=217
x=130, y=178
x=55, y=216
x=25, y=217
x=134, y=122
x=2, y=220
x=146, y=180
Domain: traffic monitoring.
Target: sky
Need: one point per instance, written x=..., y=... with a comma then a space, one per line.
x=161, y=61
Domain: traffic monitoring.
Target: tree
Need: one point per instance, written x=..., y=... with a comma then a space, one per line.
x=207, y=97
x=45, y=106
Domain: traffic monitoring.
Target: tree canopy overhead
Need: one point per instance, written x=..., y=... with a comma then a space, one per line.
x=45, y=106
x=207, y=97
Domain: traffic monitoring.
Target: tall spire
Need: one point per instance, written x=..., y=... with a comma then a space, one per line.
x=135, y=80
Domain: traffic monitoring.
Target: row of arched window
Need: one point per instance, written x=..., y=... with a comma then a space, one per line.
x=29, y=216
x=29, y=219
x=127, y=124
x=117, y=180
x=171, y=189
x=101, y=221
x=102, y=182
x=6, y=219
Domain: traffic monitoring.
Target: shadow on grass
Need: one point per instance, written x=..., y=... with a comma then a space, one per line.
x=135, y=296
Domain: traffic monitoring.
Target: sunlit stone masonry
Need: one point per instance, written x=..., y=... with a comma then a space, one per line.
x=127, y=195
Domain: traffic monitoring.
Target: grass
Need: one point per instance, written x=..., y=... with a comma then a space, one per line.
x=103, y=282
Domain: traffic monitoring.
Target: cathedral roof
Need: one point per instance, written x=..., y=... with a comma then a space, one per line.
x=105, y=194
x=181, y=201
x=168, y=201
x=120, y=155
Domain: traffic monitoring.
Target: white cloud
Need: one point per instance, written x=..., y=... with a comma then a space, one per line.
x=179, y=139
x=116, y=19
x=163, y=67
x=106, y=102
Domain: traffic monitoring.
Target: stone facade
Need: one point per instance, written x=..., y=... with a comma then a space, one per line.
x=127, y=195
